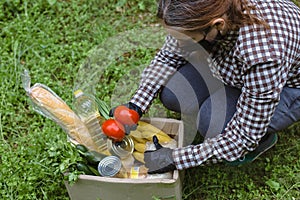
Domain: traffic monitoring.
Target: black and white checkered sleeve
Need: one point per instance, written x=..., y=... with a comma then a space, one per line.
x=164, y=64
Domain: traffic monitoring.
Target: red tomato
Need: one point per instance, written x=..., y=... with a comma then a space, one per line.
x=126, y=116
x=113, y=129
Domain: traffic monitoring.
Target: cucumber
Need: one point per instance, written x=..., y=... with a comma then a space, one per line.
x=93, y=157
x=87, y=169
x=82, y=148
x=95, y=171
x=84, y=168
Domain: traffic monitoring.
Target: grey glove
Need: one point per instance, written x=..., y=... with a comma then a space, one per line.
x=160, y=160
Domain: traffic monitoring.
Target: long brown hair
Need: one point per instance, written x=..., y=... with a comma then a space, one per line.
x=193, y=15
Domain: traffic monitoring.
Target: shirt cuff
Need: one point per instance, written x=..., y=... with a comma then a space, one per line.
x=193, y=155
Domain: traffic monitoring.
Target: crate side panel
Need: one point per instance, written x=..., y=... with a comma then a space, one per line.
x=95, y=190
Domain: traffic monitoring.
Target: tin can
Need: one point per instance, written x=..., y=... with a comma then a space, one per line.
x=109, y=166
x=121, y=149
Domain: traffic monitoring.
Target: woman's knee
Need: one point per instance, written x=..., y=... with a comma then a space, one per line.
x=169, y=100
x=185, y=104
x=185, y=91
x=217, y=110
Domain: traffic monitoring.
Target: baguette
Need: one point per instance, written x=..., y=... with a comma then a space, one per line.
x=49, y=104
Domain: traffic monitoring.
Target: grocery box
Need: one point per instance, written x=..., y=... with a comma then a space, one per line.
x=109, y=188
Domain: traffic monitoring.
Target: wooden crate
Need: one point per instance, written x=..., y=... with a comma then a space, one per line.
x=106, y=188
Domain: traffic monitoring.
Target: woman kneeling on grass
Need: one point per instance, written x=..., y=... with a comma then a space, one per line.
x=254, y=47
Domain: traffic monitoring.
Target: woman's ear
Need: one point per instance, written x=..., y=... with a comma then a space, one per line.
x=219, y=24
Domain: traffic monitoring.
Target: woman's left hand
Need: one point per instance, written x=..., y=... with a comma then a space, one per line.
x=160, y=160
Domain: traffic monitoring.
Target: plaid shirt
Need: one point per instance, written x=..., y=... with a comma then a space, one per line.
x=257, y=60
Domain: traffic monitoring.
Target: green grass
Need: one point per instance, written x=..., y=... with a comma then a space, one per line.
x=53, y=39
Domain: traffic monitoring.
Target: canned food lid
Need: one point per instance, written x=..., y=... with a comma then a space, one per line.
x=122, y=149
x=109, y=166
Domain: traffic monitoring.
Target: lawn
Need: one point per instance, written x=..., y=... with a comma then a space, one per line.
x=57, y=40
